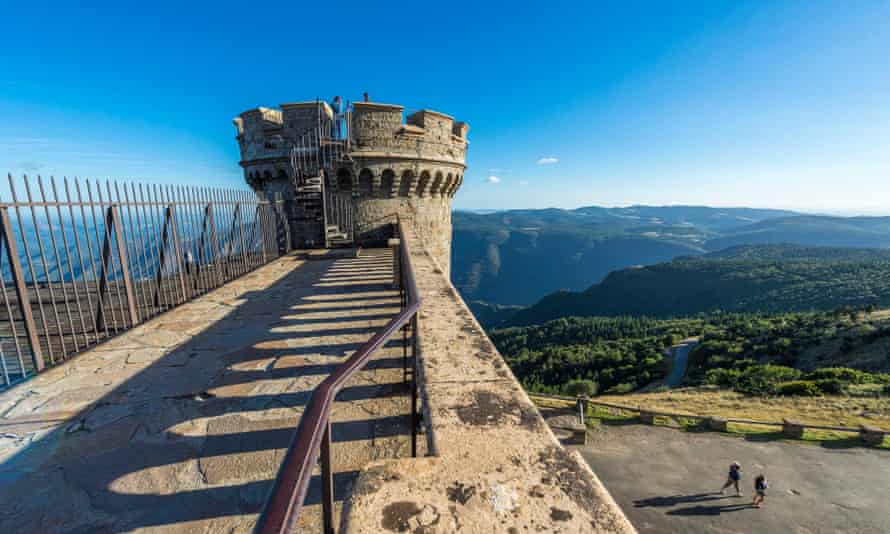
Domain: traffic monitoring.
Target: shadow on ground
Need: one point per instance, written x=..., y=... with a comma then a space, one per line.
x=191, y=440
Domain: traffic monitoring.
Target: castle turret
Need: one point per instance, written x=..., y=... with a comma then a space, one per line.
x=369, y=161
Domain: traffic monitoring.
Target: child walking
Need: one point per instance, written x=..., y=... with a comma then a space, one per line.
x=759, y=490
x=735, y=475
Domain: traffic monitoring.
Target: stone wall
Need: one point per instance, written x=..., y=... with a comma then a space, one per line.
x=497, y=466
x=411, y=166
x=302, y=116
x=430, y=217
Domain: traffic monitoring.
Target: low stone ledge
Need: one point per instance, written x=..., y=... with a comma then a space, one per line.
x=500, y=468
x=792, y=428
x=647, y=418
x=568, y=429
x=872, y=436
x=720, y=424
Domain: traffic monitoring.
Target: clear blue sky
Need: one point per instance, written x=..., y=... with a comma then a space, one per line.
x=780, y=104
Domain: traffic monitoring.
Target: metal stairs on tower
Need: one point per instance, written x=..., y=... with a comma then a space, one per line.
x=322, y=218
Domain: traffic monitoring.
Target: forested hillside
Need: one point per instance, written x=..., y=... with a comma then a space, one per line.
x=743, y=279
x=788, y=353
x=810, y=230
x=519, y=256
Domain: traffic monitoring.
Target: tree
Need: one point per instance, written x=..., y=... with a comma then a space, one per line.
x=581, y=388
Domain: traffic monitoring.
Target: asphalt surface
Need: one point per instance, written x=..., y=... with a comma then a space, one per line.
x=678, y=368
x=668, y=480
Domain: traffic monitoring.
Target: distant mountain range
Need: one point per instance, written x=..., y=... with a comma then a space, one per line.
x=516, y=257
x=750, y=278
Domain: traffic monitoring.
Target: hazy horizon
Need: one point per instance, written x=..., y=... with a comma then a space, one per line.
x=864, y=212
x=758, y=104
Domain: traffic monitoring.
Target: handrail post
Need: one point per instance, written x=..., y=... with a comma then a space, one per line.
x=171, y=213
x=581, y=410
x=214, y=243
x=162, y=257
x=258, y=217
x=244, y=259
x=115, y=222
x=169, y=234
x=327, y=481
x=104, y=275
x=414, y=385
x=21, y=290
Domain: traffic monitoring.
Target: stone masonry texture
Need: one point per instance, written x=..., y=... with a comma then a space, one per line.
x=498, y=467
x=395, y=165
x=180, y=425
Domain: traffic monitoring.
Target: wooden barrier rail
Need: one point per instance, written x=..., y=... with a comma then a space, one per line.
x=791, y=428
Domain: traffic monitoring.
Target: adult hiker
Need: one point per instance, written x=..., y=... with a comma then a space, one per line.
x=735, y=475
x=760, y=486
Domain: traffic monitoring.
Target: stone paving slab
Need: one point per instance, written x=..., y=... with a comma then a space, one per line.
x=180, y=424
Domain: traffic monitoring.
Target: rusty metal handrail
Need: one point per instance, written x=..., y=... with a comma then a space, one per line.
x=313, y=433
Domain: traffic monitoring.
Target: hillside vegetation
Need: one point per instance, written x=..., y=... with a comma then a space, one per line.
x=775, y=278
x=802, y=353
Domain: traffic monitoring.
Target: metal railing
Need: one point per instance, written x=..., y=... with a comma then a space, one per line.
x=82, y=261
x=312, y=438
x=340, y=212
x=320, y=147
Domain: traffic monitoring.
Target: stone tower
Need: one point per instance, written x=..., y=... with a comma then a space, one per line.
x=347, y=174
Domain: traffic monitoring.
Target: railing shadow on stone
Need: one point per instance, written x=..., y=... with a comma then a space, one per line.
x=312, y=439
x=146, y=424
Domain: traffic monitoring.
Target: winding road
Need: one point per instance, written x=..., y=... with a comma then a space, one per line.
x=681, y=357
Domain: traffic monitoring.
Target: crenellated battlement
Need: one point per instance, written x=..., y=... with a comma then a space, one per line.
x=426, y=150
x=383, y=163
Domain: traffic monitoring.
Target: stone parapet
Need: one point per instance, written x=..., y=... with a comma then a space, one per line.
x=498, y=468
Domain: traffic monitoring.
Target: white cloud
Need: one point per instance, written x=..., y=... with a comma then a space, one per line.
x=548, y=160
x=523, y=182
x=494, y=179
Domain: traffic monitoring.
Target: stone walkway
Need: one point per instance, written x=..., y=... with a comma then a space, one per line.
x=180, y=424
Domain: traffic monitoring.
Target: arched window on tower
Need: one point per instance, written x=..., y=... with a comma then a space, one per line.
x=406, y=183
x=437, y=184
x=423, y=183
x=344, y=179
x=446, y=187
x=365, y=182
x=387, y=181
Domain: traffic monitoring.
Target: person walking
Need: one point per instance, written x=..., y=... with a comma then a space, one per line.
x=760, y=486
x=735, y=476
